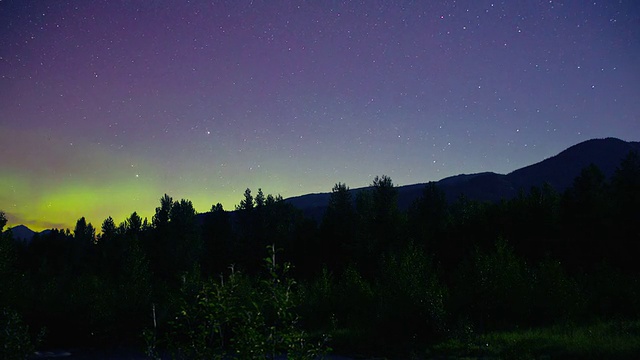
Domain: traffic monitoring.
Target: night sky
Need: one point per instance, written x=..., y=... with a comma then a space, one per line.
x=107, y=105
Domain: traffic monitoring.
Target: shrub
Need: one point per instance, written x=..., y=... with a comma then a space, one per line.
x=317, y=301
x=556, y=296
x=411, y=299
x=242, y=317
x=494, y=288
x=15, y=342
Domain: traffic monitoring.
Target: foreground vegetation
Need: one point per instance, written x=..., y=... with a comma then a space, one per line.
x=599, y=340
x=545, y=274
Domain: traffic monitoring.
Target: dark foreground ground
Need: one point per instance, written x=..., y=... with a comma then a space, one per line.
x=612, y=339
x=112, y=354
x=86, y=354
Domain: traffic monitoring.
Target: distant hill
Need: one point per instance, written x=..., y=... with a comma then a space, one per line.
x=559, y=171
x=24, y=234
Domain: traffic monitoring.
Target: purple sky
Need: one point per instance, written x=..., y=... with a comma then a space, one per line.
x=107, y=105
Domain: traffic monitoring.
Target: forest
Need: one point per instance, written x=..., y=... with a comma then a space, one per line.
x=369, y=279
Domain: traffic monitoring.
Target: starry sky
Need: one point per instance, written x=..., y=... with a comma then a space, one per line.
x=107, y=105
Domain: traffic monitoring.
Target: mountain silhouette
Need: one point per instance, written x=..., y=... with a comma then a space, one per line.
x=22, y=233
x=559, y=171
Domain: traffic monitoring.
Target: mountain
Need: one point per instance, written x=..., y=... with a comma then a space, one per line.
x=559, y=171
x=22, y=233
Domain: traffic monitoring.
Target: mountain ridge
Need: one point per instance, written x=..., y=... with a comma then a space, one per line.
x=24, y=234
x=559, y=171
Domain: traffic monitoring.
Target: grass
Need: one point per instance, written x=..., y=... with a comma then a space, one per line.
x=601, y=340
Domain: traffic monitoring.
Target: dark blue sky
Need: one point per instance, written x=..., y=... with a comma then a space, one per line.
x=107, y=105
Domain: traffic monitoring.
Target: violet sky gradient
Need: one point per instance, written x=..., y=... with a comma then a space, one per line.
x=107, y=105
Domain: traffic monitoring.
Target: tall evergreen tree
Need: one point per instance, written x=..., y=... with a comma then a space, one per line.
x=260, y=199
x=218, y=241
x=586, y=214
x=185, y=235
x=7, y=266
x=84, y=246
x=429, y=218
x=159, y=245
x=626, y=190
x=338, y=229
x=246, y=204
x=386, y=221
x=133, y=224
x=625, y=185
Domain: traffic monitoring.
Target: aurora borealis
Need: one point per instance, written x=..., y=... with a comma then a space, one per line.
x=107, y=105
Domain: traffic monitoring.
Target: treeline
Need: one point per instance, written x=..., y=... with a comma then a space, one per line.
x=373, y=277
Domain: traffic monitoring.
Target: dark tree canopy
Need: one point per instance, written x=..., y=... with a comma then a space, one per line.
x=390, y=279
x=247, y=203
x=3, y=220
